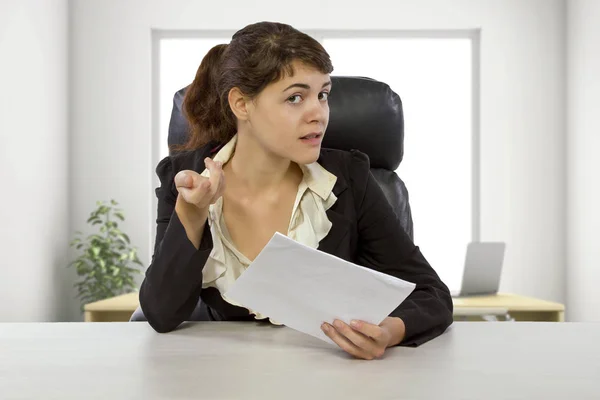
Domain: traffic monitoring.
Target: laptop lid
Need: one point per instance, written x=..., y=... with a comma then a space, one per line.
x=483, y=268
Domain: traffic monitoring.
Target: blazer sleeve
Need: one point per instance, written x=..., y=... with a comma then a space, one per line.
x=383, y=245
x=173, y=281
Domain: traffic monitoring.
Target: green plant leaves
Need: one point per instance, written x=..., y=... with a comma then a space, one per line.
x=107, y=263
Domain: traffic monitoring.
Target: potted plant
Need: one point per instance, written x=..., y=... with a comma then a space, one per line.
x=108, y=263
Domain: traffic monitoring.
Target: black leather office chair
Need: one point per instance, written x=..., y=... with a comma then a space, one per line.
x=365, y=115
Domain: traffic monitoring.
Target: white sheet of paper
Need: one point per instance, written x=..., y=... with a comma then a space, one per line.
x=301, y=288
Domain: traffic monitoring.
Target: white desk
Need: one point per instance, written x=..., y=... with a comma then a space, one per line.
x=246, y=361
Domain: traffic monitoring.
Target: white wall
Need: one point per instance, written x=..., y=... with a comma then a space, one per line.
x=583, y=144
x=34, y=201
x=522, y=108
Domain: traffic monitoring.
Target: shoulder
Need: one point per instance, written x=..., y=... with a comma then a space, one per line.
x=334, y=159
x=352, y=168
x=193, y=160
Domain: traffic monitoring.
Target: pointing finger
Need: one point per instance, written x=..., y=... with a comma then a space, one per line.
x=216, y=174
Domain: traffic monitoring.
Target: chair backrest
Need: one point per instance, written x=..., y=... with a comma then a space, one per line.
x=365, y=115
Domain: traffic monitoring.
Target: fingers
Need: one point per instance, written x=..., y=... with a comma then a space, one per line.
x=217, y=178
x=344, y=343
x=357, y=343
x=192, y=187
x=184, y=179
x=365, y=342
x=199, y=190
x=373, y=331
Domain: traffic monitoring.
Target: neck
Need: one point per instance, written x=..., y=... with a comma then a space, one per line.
x=257, y=169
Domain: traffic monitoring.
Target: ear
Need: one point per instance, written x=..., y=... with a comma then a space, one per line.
x=238, y=103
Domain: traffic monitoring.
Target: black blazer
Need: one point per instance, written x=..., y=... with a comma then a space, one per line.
x=364, y=231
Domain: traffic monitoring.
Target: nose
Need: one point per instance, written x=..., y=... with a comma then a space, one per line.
x=318, y=111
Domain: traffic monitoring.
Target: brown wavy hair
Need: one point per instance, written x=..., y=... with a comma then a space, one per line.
x=257, y=55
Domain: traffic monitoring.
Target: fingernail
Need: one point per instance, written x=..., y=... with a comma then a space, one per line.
x=324, y=327
x=337, y=323
x=354, y=323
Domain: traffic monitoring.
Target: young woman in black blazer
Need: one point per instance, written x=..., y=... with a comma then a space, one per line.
x=258, y=112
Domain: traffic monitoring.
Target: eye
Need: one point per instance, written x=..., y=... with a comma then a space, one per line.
x=295, y=99
x=324, y=96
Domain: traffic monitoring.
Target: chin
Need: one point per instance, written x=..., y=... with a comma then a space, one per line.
x=307, y=157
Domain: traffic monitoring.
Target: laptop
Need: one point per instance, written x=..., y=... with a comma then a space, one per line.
x=483, y=268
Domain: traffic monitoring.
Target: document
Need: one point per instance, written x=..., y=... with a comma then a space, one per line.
x=301, y=287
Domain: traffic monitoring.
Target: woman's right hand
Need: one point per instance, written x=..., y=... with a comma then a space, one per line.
x=199, y=191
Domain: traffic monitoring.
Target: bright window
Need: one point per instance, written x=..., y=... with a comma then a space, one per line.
x=179, y=61
x=433, y=77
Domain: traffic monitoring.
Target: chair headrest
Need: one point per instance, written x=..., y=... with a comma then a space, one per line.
x=365, y=115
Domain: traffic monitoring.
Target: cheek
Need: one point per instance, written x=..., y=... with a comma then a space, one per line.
x=282, y=121
x=326, y=115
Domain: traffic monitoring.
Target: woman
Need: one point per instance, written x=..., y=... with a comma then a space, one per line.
x=258, y=112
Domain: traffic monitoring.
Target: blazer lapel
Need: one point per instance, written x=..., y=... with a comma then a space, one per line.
x=340, y=228
x=341, y=225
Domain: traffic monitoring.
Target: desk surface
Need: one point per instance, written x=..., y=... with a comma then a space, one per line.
x=124, y=302
x=513, y=302
x=224, y=360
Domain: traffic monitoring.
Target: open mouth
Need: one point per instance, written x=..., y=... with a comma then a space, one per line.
x=312, y=136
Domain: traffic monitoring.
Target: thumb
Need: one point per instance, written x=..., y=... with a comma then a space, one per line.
x=184, y=180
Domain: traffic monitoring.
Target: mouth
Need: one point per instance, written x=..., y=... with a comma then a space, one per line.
x=312, y=136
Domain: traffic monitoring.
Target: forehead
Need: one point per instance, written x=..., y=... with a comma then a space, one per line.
x=302, y=73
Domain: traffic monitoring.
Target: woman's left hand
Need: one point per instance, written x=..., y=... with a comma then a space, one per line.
x=363, y=340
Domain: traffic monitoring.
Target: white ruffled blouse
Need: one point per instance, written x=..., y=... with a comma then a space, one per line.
x=308, y=225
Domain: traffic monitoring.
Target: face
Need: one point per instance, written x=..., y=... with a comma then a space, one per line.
x=289, y=117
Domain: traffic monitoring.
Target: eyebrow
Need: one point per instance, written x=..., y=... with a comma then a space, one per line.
x=305, y=86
